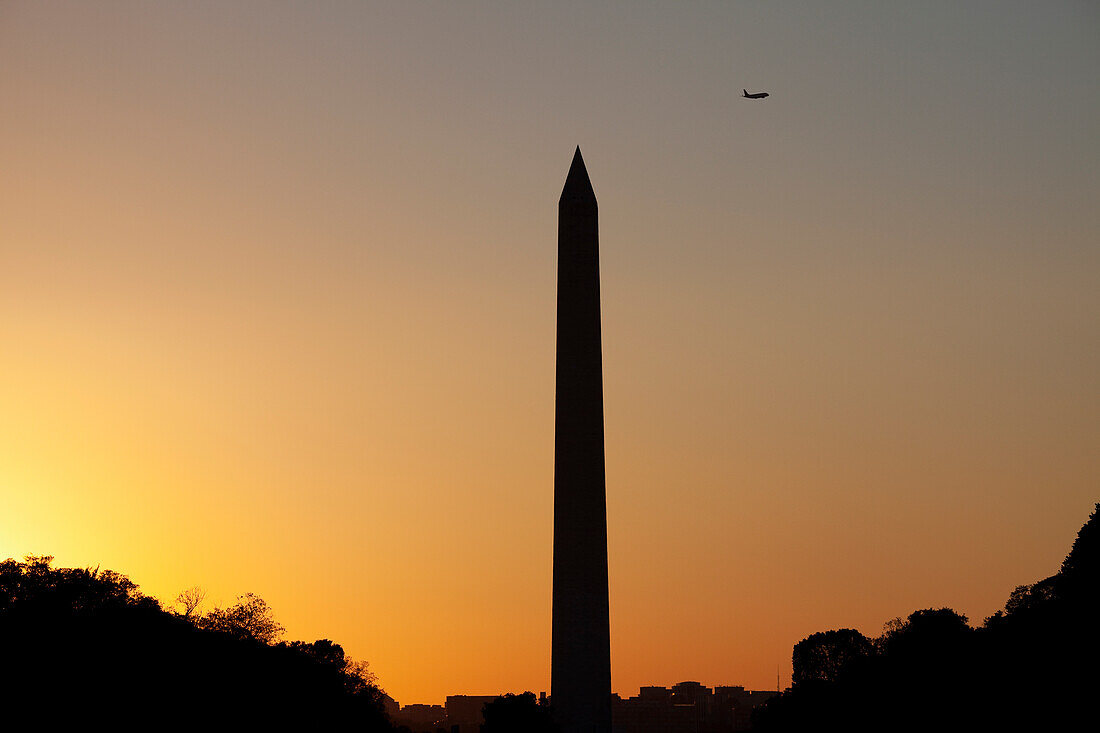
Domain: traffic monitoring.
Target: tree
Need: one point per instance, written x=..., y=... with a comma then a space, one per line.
x=249, y=618
x=928, y=626
x=322, y=651
x=1069, y=596
x=517, y=714
x=826, y=654
x=33, y=583
x=1027, y=597
x=329, y=654
x=83, y=647
x=1031, y=667
x=190, y=600
x=1081, y=567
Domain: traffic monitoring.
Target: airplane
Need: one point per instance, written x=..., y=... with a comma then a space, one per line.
x=757, y=95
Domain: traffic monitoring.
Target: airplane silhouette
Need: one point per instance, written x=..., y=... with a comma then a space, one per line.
x=757, y=95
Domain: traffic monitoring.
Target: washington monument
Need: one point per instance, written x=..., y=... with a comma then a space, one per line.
x=580, y=666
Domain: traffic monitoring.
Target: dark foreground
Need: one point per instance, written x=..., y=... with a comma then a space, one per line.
x=84, y=646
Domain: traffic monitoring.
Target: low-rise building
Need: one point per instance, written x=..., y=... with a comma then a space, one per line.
x=421, y=718
x=688, y=707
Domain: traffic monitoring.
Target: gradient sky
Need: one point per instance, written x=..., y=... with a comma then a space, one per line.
x=277, y=314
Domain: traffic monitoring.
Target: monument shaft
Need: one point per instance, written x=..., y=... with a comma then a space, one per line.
x=580, y=676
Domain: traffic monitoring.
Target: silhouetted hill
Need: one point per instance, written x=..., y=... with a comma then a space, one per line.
x=1031, y=667
x=84, y=646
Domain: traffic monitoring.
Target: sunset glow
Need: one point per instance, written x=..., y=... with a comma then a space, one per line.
x=277, y=315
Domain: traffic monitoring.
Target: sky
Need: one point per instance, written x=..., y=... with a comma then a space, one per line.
x=277, y=291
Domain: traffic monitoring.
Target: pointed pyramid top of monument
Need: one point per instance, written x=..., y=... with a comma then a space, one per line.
x=577, y=186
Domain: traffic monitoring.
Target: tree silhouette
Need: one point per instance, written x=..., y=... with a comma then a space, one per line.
x=925, y=630
x=84, y=647
x=190, y=600
x=1032, y=666
x=33, y=586
x=357, y=679
x=249, y=618
x=1082, y=565
x=517, y=714
x=826, y=654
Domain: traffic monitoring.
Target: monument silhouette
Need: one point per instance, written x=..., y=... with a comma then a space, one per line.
x=580, y=667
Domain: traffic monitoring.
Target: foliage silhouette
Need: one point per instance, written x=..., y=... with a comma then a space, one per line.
x=824, y=655
x=1032, y=666
x=85, y=646
x=249, y=618
x=1077, y=576
x=190, y=600
x=518, y=714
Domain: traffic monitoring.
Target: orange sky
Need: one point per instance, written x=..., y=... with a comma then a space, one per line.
x=277, y=302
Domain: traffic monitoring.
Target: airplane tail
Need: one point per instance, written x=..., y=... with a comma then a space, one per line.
x=745, y=92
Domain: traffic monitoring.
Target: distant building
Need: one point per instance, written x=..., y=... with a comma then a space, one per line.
x=464, y=712
x=421, y=718
x=734, y=705
x=389, y=705
x=688, y=707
